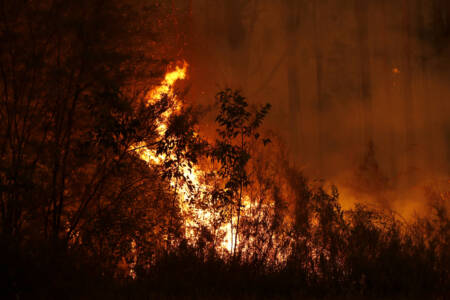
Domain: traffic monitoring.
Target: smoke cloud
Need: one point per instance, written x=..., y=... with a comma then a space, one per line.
x=360, y=89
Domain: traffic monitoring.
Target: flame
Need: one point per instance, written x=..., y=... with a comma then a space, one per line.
x=166, y=86
x=194, y=216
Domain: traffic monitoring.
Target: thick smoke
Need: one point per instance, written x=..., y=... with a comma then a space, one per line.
x=360, y=89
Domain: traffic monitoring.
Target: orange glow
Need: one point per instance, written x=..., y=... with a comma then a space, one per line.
x=166, y=86
x=193, y=217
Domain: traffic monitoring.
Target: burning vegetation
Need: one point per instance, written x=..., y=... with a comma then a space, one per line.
x=110, y=186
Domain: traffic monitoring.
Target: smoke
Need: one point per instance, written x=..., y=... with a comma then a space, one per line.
x=351, y=83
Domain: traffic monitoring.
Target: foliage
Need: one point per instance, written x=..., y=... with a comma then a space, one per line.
x=237, y=126
x=82, y=216
x=71, y=108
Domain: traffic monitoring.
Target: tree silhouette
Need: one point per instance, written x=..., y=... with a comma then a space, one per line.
x=181, y=148
x=237, y=125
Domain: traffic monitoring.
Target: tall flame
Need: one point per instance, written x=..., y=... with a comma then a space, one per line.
x=193, y=216
x=166, y=86
x=197, y=216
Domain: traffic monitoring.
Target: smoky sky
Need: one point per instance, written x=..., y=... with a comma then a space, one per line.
x=352, y=83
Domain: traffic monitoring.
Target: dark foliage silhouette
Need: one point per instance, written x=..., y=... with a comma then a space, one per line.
x=83, y=216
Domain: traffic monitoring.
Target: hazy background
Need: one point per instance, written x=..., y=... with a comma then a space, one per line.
x=341, y=75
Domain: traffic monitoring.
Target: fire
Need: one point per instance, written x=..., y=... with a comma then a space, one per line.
x=166, y=86
x=196, y=216
x=193, y=217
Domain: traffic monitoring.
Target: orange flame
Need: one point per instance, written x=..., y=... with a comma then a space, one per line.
x=197, y=216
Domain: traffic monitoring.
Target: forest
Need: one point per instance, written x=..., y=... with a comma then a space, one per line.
x=116, y=184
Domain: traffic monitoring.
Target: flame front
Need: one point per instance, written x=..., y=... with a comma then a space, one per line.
x=193, y=216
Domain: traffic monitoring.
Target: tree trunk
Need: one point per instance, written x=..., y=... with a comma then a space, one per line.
x=388, y=82
x=237, y=38
x=292, y=32
x=408, y=101
x=319, y=82
x=362, y=19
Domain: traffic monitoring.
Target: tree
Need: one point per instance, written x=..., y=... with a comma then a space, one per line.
x=71, y=106
x=362, y=19
x=181, y=147
x=237, y=126
x=293, y=21
x=408, y=95
x=321, y=101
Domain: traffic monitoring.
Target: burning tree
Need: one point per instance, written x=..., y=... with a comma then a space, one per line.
x=104, y=174
x=237, y=126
